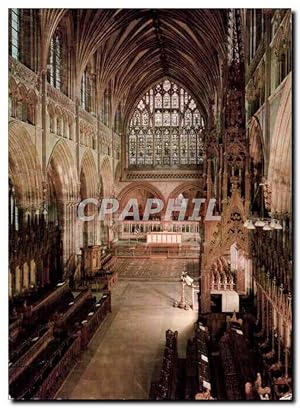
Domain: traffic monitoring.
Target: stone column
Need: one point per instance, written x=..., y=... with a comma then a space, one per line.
x=279, y=338
x=68, y=228
x=258, y=304
x=267, y=90
x=267, y=319
x=32, y=273
x=263, y=317
x=18, y=277
x=286, y=348
x=26, y=280
x=209, y=180
x=44, y=120
x=10, y=279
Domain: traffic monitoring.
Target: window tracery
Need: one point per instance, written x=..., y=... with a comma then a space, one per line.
x=55, y=61
x=166, y=128
x=15, y=33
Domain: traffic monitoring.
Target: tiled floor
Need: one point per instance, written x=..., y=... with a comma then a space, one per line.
x=125, y=354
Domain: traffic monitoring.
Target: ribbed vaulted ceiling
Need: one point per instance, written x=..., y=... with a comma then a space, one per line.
x=136, y=48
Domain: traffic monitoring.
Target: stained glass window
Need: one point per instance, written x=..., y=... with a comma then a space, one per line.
x=55, y=61
x=15, y=33
x=166, y=129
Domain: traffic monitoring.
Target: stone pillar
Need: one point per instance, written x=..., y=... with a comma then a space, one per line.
x=32, y=273
x=44, y=120
x=10, y=279
x=279, y=338
x=286, y=348
x=263, y=317
x=267, y=318
x=258, y=304
x=274, y=321
x=209, y=180
x=68, y=227
x=267, y=90
x=18, y=277
x=46, y=270
x=26, y=276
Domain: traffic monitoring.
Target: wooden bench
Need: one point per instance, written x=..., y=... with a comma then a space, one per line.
x=165, y=388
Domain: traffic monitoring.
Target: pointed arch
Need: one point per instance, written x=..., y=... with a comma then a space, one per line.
x=24, y=166
x=280, y=165
x=133, y=190
x=107, y=177
x=256, y=142
x=62, y=170
x=88, y=176
x=190, y=188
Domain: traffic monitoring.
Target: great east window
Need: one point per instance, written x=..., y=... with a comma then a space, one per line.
x=166, y=129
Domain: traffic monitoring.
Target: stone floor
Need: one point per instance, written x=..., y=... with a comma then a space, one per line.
x=156, y=268
x=125, y=353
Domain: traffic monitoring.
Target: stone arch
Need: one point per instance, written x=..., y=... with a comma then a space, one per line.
x=88, y=176
x=256, y=143
x=141, y=191
x=62, y=170
x=24, y=167
x=257, y=164
x=12, y=85
x=22, y=91
x=280, y=165
x=88, y=189
x=63, y=177
x=188, y=190
x=12, y=96
x=185, y=188
x=107, y=177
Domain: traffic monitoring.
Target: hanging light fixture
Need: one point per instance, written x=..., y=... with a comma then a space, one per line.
x=278, y=226
x=273, y=223
x=260, y=223
x=246, y=223
x=267, y=227
x=250, y=225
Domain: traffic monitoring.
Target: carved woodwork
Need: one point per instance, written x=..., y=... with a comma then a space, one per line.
x=91, y=259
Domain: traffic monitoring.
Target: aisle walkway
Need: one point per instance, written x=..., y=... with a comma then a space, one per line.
x=125, y=354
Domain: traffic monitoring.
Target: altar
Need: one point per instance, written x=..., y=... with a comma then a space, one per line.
x=164, y=238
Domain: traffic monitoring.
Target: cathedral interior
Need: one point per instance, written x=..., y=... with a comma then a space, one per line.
x=179, y=106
